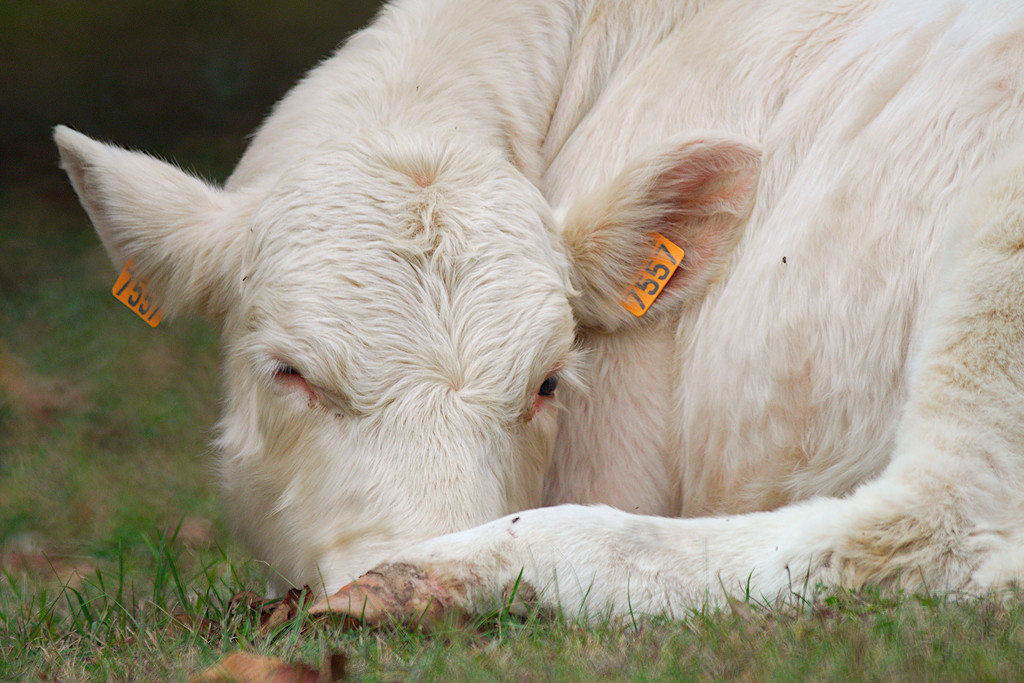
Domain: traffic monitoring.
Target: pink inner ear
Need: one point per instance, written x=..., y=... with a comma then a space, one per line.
x=707, y=186
x=703, y=191
x=696, y=193
x=706, y=249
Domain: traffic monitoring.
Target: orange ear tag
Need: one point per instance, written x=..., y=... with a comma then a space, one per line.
x=663, y=261
x=130, y=290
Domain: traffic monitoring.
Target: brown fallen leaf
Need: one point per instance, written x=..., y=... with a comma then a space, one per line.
x=70, y=572
x=272, y=613
x=246, y=600
x=192, y=532
x=40, y=397
x=336, y=666
x=742, y=610
x=182, y=623
x=243, y=667
x=392, y=593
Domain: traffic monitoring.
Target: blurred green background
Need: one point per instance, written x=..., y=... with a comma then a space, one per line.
x=105, y=423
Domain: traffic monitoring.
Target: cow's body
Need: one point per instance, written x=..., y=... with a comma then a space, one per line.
x=860, y=320
x=793, y=369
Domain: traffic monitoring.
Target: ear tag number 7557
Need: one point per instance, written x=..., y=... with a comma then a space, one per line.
x=130, y=290
x=651, y=280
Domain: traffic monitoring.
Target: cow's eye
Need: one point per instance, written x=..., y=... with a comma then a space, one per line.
x=287, y=370
x=548, y=387
x=289, y=377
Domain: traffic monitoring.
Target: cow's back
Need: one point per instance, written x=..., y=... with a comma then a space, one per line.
x=875, y=118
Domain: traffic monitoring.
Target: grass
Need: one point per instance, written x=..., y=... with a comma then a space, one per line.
x=119, y=630
x=117, y=564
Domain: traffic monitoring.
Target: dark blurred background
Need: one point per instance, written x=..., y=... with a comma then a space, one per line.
x=167, y=76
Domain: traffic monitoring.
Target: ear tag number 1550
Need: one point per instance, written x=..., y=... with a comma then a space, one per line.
x=130, y=290
x=651, y=280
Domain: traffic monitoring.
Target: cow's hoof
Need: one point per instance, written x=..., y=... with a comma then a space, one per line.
x=392, y=593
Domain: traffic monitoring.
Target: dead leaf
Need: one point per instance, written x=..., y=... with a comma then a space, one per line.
x=284, y=611
x=245, y=600
x=279, y=615
x=182, y=623
x=194, y=532
x=242, y=667
x=272, y=613
x=160, y=363
x=68, y=571
x=40, y=397
x=335, y=666
x=392, y=593
x=742, y=610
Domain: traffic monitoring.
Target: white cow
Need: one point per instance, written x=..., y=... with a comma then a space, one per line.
x=841, y=345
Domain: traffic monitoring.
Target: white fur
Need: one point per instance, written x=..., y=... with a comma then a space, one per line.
x=853, y=342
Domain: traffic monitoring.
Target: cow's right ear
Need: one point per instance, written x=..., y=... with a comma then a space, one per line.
x=181, y=234
x=695, y=191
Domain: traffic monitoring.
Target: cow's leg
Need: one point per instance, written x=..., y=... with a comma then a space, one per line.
x=961, y=445
x=596, y=561
x=592, y=560
x=947, y=515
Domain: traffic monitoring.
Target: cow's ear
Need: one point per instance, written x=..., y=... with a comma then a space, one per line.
x=181, y=234
x=696, y=193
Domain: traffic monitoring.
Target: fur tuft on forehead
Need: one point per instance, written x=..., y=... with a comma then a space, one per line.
x=425, y=227
x=426, y=195
x=446, y=181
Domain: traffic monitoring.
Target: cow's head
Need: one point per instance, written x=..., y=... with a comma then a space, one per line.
x=397, y=314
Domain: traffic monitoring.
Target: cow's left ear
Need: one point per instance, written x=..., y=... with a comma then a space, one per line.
x=183, y=236
x=696, y=193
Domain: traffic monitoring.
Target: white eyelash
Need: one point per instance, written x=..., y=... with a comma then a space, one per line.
x=570, y=376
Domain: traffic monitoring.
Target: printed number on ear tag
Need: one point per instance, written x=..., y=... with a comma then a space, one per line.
x=651, y=280
x=130, y=290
